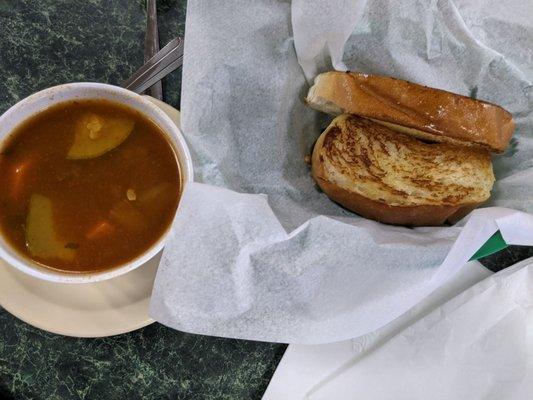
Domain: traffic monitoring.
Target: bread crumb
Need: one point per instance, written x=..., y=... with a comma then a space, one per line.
x=94, y=126
x=307, y=159
x=130, y=194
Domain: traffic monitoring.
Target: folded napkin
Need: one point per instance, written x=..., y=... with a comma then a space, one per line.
x=476, y=345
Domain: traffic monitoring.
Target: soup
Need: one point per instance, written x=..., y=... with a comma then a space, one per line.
x=86, y=186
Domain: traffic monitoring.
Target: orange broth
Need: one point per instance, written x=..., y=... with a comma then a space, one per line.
x=87, y=214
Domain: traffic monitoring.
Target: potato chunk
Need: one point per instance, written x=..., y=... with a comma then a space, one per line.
x=126, y=215
x=154, y=201
x=96, y=135
x=41, y=239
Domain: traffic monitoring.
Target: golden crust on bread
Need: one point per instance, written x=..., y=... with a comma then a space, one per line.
x=398, y=179
x=426, y=113
x=429, y=215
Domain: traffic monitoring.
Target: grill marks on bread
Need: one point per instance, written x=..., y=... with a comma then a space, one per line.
x=371, y=160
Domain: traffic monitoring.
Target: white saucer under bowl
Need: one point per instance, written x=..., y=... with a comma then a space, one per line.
x=100, y=309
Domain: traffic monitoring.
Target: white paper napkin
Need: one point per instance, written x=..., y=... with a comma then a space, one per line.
x=478, y=345
x=304, y=368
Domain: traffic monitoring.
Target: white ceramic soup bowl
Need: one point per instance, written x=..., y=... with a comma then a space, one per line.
x=41, y=101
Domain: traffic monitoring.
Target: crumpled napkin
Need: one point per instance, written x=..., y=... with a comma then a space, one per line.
x=292, y=266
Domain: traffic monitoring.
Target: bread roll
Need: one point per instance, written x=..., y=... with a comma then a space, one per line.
x=398, y=179
x=420, y=111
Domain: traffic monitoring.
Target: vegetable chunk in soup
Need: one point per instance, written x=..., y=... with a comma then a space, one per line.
x=86, y=186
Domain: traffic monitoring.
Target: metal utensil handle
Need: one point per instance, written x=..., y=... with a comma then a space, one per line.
x=157, y=76
x=165, y=61
x=160, y=74
x=151, y=44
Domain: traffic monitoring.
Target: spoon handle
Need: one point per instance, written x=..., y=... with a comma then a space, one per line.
x=164, y=62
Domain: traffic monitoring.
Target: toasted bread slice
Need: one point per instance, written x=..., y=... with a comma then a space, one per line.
x=398, y=179
x=420, y=111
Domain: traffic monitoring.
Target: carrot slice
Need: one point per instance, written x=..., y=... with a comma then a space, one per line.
x=100, y=230
x=19, y=177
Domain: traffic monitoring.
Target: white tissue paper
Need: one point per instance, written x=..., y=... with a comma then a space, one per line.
x=256, y=251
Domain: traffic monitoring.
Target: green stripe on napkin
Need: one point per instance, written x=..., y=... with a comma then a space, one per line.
x=491, y=246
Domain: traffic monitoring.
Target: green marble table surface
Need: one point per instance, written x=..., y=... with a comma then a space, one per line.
x=48, y=42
